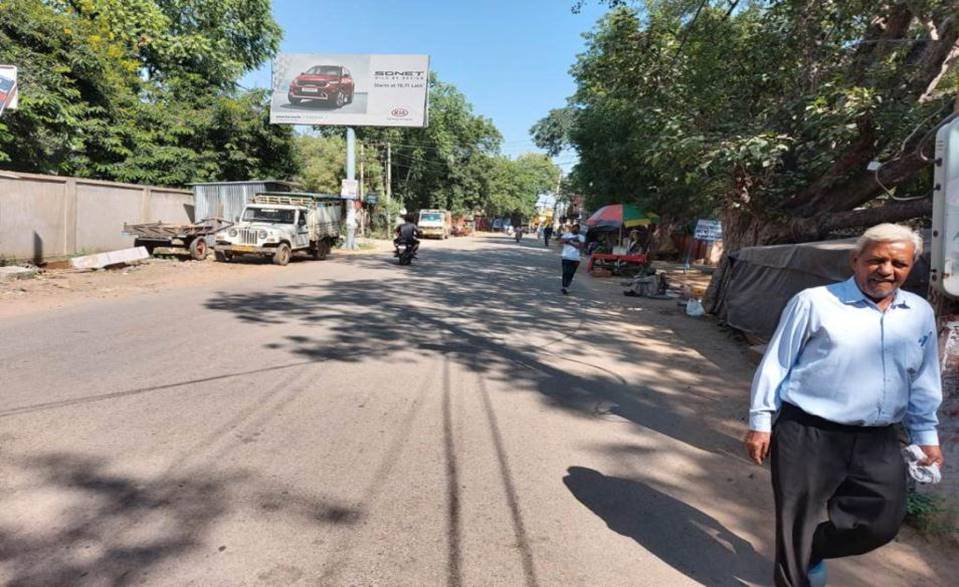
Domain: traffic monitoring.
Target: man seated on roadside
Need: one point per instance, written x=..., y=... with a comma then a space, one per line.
x=407, y=233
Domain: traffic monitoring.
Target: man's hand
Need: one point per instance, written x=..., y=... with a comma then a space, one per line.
x=933, y=455
x=757, y=445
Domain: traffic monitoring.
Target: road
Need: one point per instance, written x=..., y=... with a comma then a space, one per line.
x=352, y=422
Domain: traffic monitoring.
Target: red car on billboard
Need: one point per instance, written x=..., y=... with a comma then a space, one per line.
x=332, y=84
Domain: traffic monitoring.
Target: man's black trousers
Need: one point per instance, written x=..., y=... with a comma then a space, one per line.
x=569, y=270
x=854, y=475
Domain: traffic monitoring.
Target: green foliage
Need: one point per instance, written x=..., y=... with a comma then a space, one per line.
x=322, y=163
x=516, y=183
x=769, y=108
x=141, y=90
x=931, y=513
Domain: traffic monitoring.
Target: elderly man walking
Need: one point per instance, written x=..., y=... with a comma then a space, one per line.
x=847, y=363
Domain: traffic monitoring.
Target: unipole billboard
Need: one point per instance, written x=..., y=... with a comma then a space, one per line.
x=334, y=89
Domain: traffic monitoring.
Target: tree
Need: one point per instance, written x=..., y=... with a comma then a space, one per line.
x=455, y=162
x=141, y=90
x=447, y=164
x=322, y=163
x=765, y=112
x=515, y=184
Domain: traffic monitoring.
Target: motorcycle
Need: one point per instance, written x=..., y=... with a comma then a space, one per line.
x=406, y=255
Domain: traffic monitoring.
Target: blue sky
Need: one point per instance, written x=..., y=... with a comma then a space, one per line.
x=510, y=58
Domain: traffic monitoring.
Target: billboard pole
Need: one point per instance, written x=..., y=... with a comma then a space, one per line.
x=350, y=175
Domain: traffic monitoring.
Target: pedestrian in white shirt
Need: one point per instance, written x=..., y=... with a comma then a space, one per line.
x=573, y=244
x=847, y=363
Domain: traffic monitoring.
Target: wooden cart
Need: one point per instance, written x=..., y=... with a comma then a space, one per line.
x=176, y=239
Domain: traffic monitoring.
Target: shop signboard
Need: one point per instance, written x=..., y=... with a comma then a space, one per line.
x=708, y=230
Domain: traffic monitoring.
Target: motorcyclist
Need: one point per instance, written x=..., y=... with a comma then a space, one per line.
x=407, y=233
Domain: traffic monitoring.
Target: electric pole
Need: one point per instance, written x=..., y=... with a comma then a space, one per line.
x=361, y=189
x=350, y=175
x=389, y=188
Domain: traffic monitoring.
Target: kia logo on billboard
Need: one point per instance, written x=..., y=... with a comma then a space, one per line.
x=399, y=112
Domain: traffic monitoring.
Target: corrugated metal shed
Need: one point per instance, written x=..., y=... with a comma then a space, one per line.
x=226, y=199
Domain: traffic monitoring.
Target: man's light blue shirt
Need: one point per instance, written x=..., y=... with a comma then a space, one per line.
x=836, y=355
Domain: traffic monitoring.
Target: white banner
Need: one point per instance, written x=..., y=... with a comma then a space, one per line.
x=350, y=90
x=350, y=189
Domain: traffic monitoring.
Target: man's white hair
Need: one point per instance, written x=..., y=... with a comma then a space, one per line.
x=890, y=233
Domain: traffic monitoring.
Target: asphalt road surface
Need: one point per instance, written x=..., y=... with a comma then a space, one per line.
x=352, y=422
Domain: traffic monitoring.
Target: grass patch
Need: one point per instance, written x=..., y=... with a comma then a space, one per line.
x=932, y=514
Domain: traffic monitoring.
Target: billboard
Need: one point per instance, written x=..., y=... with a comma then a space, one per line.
x=8, y=87
x=350, y=89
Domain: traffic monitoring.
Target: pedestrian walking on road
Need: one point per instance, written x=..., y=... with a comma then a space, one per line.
x=847, y=363
x=548, y=234
x=573, y=243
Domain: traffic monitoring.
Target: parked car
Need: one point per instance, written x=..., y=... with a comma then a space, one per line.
x=332, y=84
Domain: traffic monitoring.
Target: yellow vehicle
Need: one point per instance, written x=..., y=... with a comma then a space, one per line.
x=436, y=223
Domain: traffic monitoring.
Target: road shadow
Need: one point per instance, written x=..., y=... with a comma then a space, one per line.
x=478, y=315
x=71, y=520
x=683, y=537
x=119, y=529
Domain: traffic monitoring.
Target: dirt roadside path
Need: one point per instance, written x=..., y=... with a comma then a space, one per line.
x=61, y=288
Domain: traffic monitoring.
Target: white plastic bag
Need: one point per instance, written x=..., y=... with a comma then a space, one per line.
x=694, y=308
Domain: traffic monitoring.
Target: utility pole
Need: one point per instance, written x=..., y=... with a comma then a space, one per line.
x=389, y=188
x=559, y=182
x=362, y=168
x=350, y=175
x=362, y=189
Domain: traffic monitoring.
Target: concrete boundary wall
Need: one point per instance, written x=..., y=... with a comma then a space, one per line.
x=46, y=217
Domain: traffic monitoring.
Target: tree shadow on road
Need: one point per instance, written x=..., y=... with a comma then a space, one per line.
x=480, y=315
x=116, y=529
x=685, y=538
x=69, y=520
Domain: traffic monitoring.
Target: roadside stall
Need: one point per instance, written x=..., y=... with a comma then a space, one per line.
x=615, y=222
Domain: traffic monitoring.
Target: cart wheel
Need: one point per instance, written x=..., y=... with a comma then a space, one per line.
x=282, y=254
x=198, y=249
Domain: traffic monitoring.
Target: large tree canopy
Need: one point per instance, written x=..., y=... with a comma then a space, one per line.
x=141, y=90
x=766, y=112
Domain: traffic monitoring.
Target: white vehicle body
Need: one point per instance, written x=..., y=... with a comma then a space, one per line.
x=278, y=226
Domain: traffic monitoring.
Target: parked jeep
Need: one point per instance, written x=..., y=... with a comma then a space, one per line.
x=278, y=226
x=332, y=84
